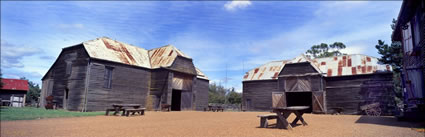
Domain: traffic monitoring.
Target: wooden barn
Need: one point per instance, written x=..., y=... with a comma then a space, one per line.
x=95, y=74
x=410, y=31
x=13, y=92
x=325, y=84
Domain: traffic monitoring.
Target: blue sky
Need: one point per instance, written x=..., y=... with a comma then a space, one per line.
x=241, y=35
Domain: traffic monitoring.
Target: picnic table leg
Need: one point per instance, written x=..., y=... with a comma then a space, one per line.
x=281, y=120
x=263, y=122
x=117, y=110
x=299, y=117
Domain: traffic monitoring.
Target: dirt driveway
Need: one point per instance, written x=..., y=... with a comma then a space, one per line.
x=190, y=123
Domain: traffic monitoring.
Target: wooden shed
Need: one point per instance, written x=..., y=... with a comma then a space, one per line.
x=13, y=92
x=95, y=74
x=343, y=82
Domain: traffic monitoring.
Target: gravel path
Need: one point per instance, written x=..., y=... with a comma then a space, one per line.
x=190, y=123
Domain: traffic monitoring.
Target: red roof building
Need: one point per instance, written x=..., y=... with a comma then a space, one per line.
x=15, y=84
x=13, y=92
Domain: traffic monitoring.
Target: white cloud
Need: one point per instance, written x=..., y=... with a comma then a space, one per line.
x=11, y=55
x=234, y=5
x=355, y=49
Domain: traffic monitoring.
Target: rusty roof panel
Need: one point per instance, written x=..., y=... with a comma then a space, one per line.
x=266, y=71
x=345, y=65
x=108, y=49
x=164, y=56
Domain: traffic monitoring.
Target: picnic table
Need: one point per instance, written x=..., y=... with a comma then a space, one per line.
x=284, y=112
x=120, y=107
x=214, y=108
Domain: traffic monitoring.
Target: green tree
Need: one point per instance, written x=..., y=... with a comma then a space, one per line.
x=216, y=94
x=325, y=50
x=34, y=91
x=234, y=97
x=393, y=56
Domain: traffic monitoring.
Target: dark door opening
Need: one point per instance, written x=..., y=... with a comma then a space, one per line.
x=176, y=100
x=299, y=99
x=65, y=99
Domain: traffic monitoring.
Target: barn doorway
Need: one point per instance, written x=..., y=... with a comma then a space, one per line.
x=176, y=100
x=299, y=99
x=65, y=98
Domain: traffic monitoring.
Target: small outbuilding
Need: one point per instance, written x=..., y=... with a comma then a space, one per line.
x=345, y=82
x=13, y=92
x=95, y=74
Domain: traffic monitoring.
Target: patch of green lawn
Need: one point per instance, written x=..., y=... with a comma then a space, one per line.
x=29, y=113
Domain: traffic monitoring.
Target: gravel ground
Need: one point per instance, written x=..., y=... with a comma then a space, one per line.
x=191, y=123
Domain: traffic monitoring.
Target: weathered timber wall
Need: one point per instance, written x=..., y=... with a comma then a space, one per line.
x=184, y=65
x=352, y=92
x=200, y=94
x=159, y=87
x=75, y=81
x=129, y=85
x=260, y=94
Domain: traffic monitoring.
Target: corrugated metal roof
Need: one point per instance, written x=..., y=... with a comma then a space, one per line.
x=164, y=56
x=14, y=84
x=107, y=49
x=350, y=65
x=331, y=66
x=267, y=71
x=200, y=74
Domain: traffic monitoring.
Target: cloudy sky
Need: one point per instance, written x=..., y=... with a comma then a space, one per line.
x=223, y=37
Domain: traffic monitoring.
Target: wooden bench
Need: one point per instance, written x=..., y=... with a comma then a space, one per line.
x=141, y=111
x=264, y=118
x=219, y=108
x=113, y=109
x=165, y=107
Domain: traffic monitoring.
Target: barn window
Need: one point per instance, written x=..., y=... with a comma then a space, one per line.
x=407, y=39
x=108, y=77
x=68, y=68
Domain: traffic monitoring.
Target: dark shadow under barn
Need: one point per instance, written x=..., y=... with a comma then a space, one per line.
x=299, y=99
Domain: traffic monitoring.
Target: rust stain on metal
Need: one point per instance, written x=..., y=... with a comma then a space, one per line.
x=369, y=68
x=329, y=72
x=323, y=63
x=349, y=62
x=245, y=76
x=256, y=70
x=122, y=51
x=363, y=69
x=259, y=76
x=353, y=70
x=171, y=52
x=368, y=59
x=275, y=75
x=339, y=71
x=335, y=58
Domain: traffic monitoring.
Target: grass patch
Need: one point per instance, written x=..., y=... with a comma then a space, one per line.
x=29, y=113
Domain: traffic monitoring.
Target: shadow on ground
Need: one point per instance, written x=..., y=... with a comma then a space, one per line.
x=388, y=121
